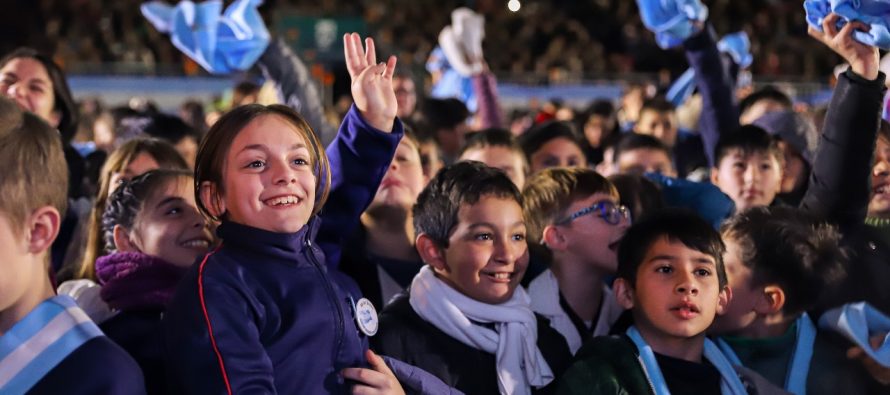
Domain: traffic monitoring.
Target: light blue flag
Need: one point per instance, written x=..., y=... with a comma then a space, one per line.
x=736, y=45
x=858, y=322
x=672, y=21
x=875, y=13
x=220, y=43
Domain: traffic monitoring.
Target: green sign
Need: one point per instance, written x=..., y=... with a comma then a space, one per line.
x=318, y=38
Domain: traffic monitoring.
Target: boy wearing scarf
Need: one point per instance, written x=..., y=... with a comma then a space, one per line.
x=575, y=213
x=465, y=318
x=47, y=344
x=671, y=277
x=778, y=261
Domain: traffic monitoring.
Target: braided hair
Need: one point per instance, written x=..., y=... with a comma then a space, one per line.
x=129, y=198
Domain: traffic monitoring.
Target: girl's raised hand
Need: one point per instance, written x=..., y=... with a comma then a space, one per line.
x=371, y=82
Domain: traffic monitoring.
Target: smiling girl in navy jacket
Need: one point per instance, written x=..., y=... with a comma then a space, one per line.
x=263, y=313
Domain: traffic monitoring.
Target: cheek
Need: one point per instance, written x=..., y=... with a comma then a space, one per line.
x=158, y=238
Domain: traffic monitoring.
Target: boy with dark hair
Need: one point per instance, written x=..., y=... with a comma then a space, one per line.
x=444, y=120
x=748, y=167
x=639, y=153
x=778, y=261
x=47, y=344
x=658, y=119
x=499, y=149
x=176, y=132
x=575, y=214
x=671, y=277
x=552, y=144
x=465, y=318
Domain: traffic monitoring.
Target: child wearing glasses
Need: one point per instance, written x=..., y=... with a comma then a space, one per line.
x=575, y=213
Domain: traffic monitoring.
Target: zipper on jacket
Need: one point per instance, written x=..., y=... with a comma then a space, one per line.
x=331, y=295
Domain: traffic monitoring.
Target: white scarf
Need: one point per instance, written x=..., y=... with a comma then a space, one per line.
x=513, y=341
x=544, y=294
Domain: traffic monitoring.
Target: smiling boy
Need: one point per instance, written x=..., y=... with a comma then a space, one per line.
x=465, y=318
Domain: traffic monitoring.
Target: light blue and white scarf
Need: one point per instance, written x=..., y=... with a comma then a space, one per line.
x=40, y=341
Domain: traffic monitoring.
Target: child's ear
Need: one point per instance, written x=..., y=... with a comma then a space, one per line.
x=122, y=240
x=715, y=178
x=723, y=300
x=624, y=293
x=430, y=253
x=211, y=199
x=553, y=238
x=43, y=227
x=773, y=300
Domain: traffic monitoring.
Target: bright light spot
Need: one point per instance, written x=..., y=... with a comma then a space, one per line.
x=513, y=5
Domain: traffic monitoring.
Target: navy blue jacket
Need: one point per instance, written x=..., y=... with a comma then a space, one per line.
x=264, y=313
x=97, y=367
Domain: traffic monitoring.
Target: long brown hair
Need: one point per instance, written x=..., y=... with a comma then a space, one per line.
x=162, y=152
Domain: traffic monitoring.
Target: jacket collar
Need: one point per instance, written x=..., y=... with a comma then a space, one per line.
x=264, y=242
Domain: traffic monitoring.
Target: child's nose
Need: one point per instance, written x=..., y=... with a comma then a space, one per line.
x=751, y=174
x=686, y=285
x=881, y=169
x=505, y=251
x=283, y=174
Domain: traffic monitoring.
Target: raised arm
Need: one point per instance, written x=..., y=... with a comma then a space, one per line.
x=839, y=185
x=720, y=112
x=363, y=149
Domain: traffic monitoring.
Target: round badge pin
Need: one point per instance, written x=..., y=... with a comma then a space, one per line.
x=366, y=317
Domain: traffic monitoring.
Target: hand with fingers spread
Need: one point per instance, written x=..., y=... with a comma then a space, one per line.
x=371, y=82
x=863, y=58
x=379, y=379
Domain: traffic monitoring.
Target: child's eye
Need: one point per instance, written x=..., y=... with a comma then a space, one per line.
x=174, y=211
x=257, y=164
x=766, y=166
x=483, y=236
x=664, y=269
x=702, y=272
x=301, y=162
x=519, y=237
x=738, y=165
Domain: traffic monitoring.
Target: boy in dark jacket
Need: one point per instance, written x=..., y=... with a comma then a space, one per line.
x=465, y=319
x=47, y=344
x=671, y=277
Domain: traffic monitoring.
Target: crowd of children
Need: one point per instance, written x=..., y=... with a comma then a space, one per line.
x=277, y=255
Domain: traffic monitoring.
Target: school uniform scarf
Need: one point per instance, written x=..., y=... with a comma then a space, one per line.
x=133, y=280
x=507, y=330
x=40, y=341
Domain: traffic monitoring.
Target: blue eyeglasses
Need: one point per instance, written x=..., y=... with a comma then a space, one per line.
x=606, y=210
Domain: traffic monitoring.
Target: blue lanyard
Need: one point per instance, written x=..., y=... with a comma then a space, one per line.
x=796, y=376
x=730, y=384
